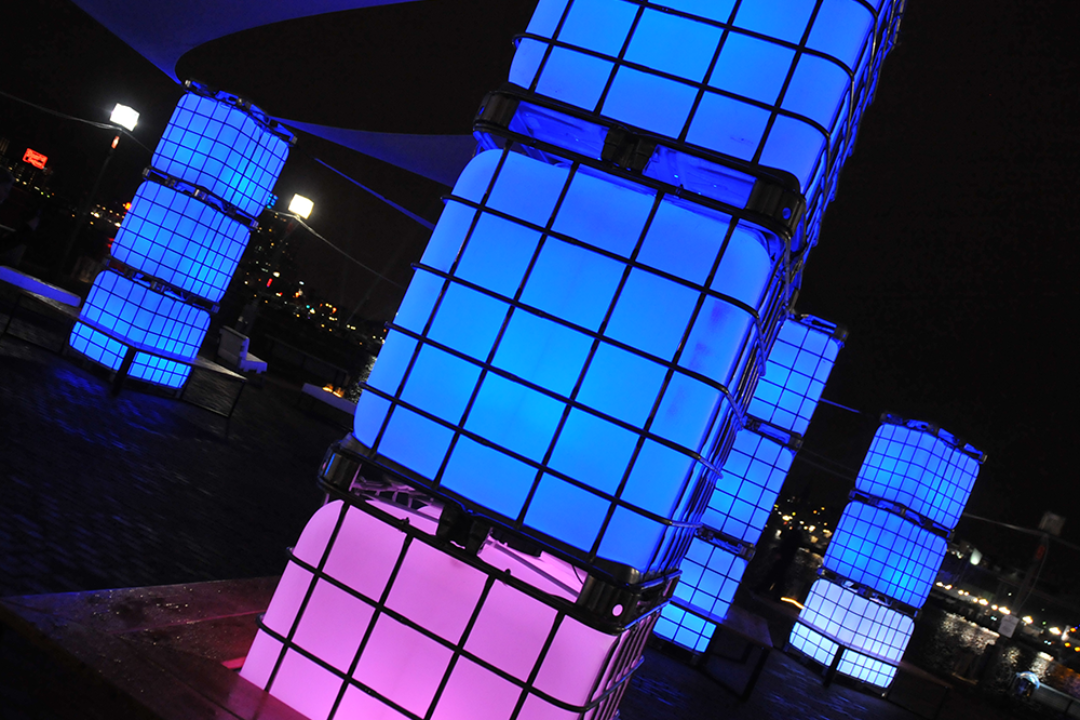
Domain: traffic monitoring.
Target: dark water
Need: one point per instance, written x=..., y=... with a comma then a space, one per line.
x=947, y=644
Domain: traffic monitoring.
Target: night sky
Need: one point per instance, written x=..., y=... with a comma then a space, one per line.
x=948, y=253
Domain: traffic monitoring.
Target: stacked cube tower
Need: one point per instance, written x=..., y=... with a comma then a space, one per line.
x=785, y=399
x=178, y=247
x=887, y=549
x=536, y=446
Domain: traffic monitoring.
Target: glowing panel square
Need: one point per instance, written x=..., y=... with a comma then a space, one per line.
x=490, y=642
x=745, y=493
x=180, y=240
x=541, y=377
x=859, y=623
x=218, y=146
x=796, y=372
x=143, y=317
x=884, y=551
x=921, y=467
x=711, y=574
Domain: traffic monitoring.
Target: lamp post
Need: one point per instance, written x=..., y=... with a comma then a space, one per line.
x=123, y=117
x=300, y=207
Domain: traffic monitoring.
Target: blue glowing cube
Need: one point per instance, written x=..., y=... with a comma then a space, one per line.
x=780, y=88
x=181, y=240
x=567, y=355
x=753, y=475
x=711, y=574
x=922, y=467
x=880, y=549
x=220, y=144
x=796, y=371
x=798, y=367
x=129, y=309
x=861, y=624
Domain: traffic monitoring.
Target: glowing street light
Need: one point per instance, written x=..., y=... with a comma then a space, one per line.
x=124, y=116
x=301, y=206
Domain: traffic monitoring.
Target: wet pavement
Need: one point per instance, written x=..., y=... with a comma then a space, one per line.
x=100, y=491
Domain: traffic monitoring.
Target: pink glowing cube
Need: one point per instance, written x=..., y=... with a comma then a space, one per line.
x=377, y=618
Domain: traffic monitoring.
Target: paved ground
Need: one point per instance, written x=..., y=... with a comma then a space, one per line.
x=101, y=492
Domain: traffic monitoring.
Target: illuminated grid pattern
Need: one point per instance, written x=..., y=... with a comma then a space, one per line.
x=922, y=468
x=180, y=240
x=746, y=491
x=230, y=158
x=857, y=622
x=567, y=341
x=882, y=550
x=684, y=627
x=352, y=630
x=781, y=89
x=146, y=318
x=796, y=372
x=711, y=574
x=913, y=465
x=218, y=146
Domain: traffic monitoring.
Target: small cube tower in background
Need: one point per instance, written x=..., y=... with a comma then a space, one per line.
x=887, y=549
x=180, y=243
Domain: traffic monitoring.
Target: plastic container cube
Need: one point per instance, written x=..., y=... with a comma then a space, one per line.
x=783, y=89
x=219, y=143
x=569, y=357
x=886, y=552
x=860, y=624
x=180, y=240
x=376, y=618
x=144, y=317
x=921, y=467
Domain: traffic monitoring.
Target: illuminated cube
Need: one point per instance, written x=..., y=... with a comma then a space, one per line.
x=711, y=573
x=183, y=237
x=143, y=317
x=921, y=467
x=784, y=400
x=181, y=240
x=798, y=367
x=888, y=545
x=783, y=89
x=753, y=475
x=224, y=145
x=886, y=552
x=569, y=357
x=861, y=624
x=377, y=618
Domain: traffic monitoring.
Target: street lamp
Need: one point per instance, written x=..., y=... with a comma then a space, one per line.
x=301, y=206
x=123, y=117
